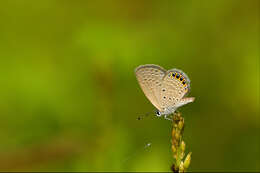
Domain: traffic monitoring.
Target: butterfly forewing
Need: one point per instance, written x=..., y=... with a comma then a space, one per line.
x=150, y=79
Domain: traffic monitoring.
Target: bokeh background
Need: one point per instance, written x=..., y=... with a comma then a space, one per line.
x=69, y=99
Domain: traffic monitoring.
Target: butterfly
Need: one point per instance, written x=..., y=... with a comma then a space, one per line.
x=166, y=90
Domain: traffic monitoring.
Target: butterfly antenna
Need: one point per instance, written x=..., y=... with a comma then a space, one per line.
x=145, y=115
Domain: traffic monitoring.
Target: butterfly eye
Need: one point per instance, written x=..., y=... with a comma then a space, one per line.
x=158, y=113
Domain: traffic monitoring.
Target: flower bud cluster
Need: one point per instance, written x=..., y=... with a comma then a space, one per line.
x=178, y=145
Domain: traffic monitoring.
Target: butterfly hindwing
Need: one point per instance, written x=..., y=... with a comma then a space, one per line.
x=175, y=87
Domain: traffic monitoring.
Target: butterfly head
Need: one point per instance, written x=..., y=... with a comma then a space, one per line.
x=158, y=113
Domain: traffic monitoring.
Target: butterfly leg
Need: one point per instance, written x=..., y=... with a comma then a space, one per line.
x=166, y=117
x=171, y=116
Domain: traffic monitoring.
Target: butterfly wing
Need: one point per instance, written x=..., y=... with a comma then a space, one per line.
x=175, y=86
x=150, y=79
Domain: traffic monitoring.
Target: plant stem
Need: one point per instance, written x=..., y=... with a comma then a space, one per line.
x=178, y=145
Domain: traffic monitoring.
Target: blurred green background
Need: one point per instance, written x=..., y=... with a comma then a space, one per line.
x=69, y=99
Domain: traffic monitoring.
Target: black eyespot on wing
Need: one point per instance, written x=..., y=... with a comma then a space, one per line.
x=164, y=97
x=163, y=89
x=181, y=76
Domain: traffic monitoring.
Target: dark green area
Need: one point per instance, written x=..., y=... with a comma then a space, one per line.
x=69, y=99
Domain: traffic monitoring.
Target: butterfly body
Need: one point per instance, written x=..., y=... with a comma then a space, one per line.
x=164, y=89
